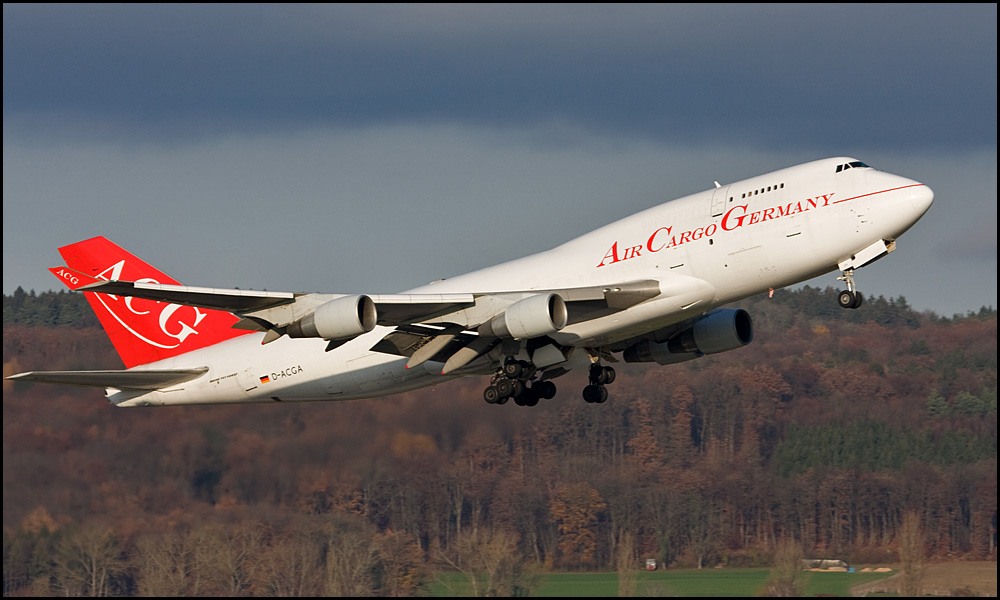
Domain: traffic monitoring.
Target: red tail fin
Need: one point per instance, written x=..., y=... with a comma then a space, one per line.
x=142, y=331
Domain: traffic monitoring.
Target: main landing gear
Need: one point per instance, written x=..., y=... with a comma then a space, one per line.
x=513, y=380
x=851, y=297
x=595, y=392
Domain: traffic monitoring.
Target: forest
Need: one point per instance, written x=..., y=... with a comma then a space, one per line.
x=830, y=429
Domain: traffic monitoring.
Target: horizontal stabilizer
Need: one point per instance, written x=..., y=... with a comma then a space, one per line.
x=151, y=379
x=74, y=280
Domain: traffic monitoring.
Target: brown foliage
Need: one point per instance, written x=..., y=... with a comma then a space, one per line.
x=575, y=508
x=684, y=459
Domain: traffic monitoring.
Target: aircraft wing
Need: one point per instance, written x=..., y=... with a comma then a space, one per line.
x=124, y=380
x=454, y=328
x=271, y=311
x=234, y=301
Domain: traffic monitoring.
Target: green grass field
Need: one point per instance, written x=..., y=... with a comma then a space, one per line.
x=682, y=582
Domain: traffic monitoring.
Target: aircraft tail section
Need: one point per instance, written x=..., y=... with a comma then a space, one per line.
x=142, y=331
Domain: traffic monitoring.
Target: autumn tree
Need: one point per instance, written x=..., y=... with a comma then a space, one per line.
x=292, y=565
x=401, y=564
x=786, y=576
x=911, y=554
x=576, y=508
x=28, y=555
x=162, y=563
x=646, y=452
x=350, y=557
x=226, y=558
x=490, y=563
x=625, y=562
x=87, y=561
x=680, y=448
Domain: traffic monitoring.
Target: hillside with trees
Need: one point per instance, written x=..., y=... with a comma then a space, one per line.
x=831, y=429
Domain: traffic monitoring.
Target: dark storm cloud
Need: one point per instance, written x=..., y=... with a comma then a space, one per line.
x=892, y=76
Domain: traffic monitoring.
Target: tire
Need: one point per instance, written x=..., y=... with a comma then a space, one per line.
x=513, y=369
x=491, y=395
x=544, y=390
x=609, y=375
x=592, y=393
x=860, y=299
x=505, y=387
x=846, y=299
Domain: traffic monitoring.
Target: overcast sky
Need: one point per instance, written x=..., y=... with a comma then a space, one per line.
x=360, y=148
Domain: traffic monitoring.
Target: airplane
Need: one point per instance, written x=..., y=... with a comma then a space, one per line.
x=648, y=288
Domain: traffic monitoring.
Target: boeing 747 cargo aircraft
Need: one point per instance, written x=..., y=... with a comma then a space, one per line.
x=646, y=288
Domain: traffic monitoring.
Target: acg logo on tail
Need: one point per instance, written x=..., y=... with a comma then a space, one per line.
x=156, y=323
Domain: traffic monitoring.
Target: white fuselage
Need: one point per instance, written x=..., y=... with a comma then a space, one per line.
x=705, y=250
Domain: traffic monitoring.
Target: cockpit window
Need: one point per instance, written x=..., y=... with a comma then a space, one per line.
x=852, y=165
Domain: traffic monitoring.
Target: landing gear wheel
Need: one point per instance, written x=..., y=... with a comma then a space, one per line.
x=849, y=299
x=528, y=397
x=595, y=394
x=491, y=395
x=600, y=375
x=513, y=369
x=846, y=299
x=505, y=387
x=545, y=389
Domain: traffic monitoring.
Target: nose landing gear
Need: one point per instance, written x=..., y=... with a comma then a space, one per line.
x=851, y=297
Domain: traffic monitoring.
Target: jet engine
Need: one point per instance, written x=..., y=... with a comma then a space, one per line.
x=338, y=319
x=718, y=331
x=531, y=317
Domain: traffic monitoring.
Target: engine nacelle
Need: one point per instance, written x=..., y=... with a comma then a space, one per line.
x=338, y=319
x=532, y=317
x=718, y=331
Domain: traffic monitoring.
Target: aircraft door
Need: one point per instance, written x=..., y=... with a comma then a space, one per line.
x=248, y=380
x=719, y=197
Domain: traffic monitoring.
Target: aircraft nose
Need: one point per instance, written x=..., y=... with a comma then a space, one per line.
x=921, y=198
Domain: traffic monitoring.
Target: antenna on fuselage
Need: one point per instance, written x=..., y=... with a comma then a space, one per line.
x=717, y=185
